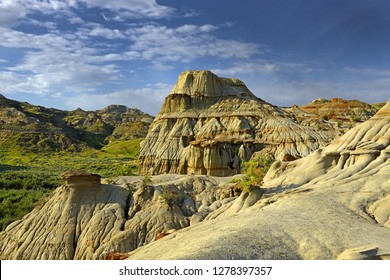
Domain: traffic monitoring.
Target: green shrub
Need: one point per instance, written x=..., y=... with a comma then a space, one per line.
x=355, y=118
x=325, y=117
x=14, y=204
x=254, y=171
x=131, y=188
x=146, y=181
x=169, y=196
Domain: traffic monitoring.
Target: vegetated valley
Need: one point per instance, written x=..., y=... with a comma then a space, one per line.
x=38, y=144
x=245, y=177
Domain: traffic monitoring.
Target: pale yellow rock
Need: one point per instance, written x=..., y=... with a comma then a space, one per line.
x=71, y=225
x=205, y=121
x=85, y=219
x=332, y=204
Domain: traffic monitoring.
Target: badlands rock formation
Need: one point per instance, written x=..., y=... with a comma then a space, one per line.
x=333, y=204
x=87, y=220
x=332, y=117
x=209, y=125
x=340, y=109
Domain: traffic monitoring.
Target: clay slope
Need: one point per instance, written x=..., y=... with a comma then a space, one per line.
x=332, y=117
x=69, y=225
x=87, y=220
x=333, y=204
x=340, y=109
x=209, y=125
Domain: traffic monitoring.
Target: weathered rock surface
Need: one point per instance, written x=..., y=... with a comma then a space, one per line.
x=85, y=219
x=340, y=109
x=209, y=125
x=332, y=204
x=72, y=224
x=333, y=117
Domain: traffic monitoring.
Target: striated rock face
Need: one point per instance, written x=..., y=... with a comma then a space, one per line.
x=85, y=219
x=340, y=109
x=209, y=125
x=72, y=224
x=332, y=117
x=333, y=204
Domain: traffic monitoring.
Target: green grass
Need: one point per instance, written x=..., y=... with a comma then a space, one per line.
x=27, y=177
x=14, y=204
x=124, y=147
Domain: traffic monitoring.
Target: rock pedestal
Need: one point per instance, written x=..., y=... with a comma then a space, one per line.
x=81, y=179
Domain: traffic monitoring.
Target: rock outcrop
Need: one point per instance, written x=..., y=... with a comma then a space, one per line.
x=340, y=109
x=72, y=224
x=36, y=128
x=332, y=204
x=332, y=117
x=209, y=125
x=85, y=219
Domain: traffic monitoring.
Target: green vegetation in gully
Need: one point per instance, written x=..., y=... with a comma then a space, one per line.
x=27, y=177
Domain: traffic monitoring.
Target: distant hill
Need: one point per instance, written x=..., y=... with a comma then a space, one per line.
x=333, y=117
x=35, y=128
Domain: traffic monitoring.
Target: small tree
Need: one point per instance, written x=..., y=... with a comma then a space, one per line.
x=170, y=197
x=254, y=171
x=325, y=117
x=146, y=181
x=356, y=118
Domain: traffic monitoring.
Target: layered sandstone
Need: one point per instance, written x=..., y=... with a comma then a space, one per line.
x=85, y=219
x=332, y=117
x=209, y=125
x=333, y=204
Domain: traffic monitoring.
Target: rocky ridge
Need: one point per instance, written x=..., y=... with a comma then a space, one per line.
x=85, y=219
x=55, y=130
x=332, y=117
x=209, y=125
x=332, y=204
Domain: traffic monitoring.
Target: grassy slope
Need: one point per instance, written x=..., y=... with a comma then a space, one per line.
x=28, y=176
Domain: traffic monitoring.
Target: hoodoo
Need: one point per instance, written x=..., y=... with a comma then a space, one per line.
x=210, y=125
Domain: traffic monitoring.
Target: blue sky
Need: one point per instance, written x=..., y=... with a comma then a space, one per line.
x=93, y=53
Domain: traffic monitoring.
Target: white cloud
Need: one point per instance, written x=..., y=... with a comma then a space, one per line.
x=287, y=93
x=162, y=45
x=54, y=62
x=368, y=71
x=185, y=43
x=132, y=8
x=75, y=20
x=261, y=66
x=13, y=10
x=10, y=12
x=46, y=24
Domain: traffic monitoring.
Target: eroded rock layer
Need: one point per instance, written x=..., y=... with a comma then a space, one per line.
x=333, y=204
x=209, y=125
x=85, y=219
